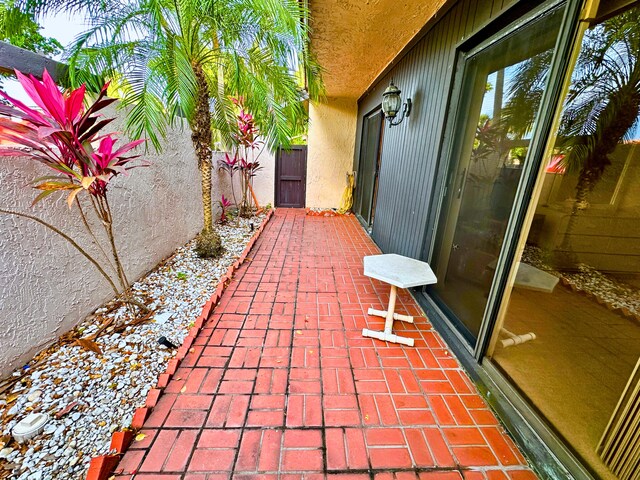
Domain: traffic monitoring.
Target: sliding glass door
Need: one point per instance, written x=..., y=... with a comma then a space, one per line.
x=536, y=248
x=568, y=335
x=492, y=129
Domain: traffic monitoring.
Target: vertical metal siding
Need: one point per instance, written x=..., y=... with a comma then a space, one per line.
x=410, y=151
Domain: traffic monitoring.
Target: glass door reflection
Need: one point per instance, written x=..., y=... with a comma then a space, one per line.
x=577, y=284
x=491, y=141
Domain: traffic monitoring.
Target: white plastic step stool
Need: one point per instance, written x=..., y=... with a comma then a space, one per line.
x=398, y=271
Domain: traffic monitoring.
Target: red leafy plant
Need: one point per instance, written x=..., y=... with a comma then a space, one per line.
x=249, y=148
x=66, y=137
x=224, y=209
x=230, y=165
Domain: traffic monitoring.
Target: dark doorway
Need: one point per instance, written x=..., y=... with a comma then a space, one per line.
x=369, y=167
x=291, y=177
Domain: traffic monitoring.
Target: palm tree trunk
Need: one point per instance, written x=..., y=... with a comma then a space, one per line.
x=201, y=138
x=205, y=173
x=209, y=243
x=613, y=123
x=565, y=257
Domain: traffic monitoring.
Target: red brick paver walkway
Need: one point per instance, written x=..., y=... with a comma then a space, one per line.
x=281, y=383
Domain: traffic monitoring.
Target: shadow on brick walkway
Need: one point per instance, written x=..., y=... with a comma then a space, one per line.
x=281, y=384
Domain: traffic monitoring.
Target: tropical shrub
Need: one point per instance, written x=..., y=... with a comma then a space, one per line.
x=248, y=150
x=182, y=62
x=230, y=166
x=224, y=209
x=66, y=137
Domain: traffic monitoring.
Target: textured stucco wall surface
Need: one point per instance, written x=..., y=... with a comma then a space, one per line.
x=354, y=40
x=331, y=143
x=263, y=182
x=46, y=286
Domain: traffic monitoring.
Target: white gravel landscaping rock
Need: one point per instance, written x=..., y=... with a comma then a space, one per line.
x=108, y=387
x=603, y=287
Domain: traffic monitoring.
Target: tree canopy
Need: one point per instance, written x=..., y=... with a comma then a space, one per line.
x=154, y=51
x=21, y=30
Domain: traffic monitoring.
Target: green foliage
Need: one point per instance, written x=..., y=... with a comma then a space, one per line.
x=256, y=50
x=181, y=276
x=603, y=103
x=519, y=153
x=21, y=30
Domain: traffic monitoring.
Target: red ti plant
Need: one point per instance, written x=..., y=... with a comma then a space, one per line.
x=247, y=135
x=65, y=136
x=224, y=206
x=247, y=138
x=231, y=166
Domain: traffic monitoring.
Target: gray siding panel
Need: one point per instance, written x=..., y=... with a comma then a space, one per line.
x=410, y=151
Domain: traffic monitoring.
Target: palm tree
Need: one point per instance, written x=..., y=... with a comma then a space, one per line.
x=184, y=60
x=604, y=102
x=601, y=109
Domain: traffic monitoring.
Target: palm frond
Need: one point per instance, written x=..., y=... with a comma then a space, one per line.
x=41, y=8
x=254, y=49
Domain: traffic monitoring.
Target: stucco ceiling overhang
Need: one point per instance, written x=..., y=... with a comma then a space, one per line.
x=354, y=40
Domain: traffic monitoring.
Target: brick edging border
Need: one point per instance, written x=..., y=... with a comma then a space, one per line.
x=103, y=466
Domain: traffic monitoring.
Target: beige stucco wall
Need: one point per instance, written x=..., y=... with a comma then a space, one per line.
x=263, y=182
x=354, y=40
x=46, y=286
x=331, y=143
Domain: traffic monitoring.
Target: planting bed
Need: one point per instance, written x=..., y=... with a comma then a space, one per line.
x=90, y=395
x=605, y=289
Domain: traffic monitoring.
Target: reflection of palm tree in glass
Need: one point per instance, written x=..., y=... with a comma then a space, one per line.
x=601, y=109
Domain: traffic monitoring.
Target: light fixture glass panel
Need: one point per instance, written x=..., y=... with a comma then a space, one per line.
x=391, y=102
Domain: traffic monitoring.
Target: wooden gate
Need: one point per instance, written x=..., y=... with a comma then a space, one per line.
x=291, y=177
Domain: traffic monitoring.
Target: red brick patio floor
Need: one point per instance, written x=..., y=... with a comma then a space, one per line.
x=282, y=384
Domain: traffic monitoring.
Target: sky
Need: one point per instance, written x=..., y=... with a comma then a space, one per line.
x=63, y=28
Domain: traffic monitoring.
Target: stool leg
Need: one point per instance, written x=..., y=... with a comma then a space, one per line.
x=387, y=335
x=388, y=324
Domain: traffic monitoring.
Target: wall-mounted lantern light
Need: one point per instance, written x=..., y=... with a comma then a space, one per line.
x=391, y=104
